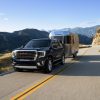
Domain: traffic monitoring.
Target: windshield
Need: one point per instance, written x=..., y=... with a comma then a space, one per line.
x=37, y=44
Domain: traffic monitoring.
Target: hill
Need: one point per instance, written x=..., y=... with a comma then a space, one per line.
x=10, y=41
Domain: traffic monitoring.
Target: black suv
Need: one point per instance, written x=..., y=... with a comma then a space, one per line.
x=38, y=53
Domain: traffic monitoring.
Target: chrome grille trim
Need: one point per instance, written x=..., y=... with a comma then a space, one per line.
x=27, y=56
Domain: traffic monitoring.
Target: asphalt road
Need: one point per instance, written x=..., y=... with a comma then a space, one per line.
x=78, y=79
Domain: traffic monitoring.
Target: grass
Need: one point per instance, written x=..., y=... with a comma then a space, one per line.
x=5, y=62
x=1, y=55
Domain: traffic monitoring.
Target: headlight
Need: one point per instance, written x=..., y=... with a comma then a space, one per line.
x=13, y=54
x=41, y=54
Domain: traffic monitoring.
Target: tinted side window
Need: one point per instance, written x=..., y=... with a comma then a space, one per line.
x=55, y=45
x=69, y=39
x=60, y=45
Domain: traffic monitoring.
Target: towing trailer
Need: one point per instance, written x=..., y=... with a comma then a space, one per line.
x=69, y=40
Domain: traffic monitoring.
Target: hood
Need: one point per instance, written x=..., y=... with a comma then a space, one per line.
x=37, y=49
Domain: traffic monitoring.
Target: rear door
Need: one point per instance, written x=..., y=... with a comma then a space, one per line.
x=60, y=50
x=55, y=50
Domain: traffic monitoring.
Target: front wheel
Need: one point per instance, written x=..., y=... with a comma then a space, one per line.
x=48, y=66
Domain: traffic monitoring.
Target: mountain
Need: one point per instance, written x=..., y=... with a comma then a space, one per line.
x=96, y=39
x=10, y=41
x=85, y=34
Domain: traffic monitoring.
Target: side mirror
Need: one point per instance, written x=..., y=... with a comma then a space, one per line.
x=21, y=46
x=54, y=47
x=51, y=47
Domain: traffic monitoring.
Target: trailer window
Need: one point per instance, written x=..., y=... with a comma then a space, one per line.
x=68, y=39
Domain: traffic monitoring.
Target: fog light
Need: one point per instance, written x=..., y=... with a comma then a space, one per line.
x=38, y=64
x=42, y=62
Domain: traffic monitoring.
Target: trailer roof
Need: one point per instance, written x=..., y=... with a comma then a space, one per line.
x=59, y=33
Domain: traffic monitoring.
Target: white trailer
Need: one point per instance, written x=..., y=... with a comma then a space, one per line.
x=69, y=40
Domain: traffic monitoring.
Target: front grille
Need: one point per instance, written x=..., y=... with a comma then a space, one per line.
x=26, y=54
x=26, y=64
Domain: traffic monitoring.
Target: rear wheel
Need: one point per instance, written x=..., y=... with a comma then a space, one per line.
x=63, y=60
x=48, y=66
x=75, y=55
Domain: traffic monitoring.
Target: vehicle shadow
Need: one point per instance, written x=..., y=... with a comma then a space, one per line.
x=87, y=65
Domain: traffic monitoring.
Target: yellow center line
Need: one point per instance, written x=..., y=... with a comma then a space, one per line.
x=38, y=85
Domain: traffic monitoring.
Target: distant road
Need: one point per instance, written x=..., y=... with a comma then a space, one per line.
x=78, y=79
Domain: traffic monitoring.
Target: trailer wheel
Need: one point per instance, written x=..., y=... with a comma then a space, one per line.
x=75, y=55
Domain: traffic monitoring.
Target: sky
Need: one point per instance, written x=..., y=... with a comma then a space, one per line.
x=48, y=14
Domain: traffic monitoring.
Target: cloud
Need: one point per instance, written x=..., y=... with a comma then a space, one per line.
x=1, y=14
x=89, y=23
x=5, y=19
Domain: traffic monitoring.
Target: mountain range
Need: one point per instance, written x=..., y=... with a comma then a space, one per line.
x=10, y=41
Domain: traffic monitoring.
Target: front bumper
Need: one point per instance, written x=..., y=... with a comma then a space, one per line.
x=26, y=67
x=29, y=64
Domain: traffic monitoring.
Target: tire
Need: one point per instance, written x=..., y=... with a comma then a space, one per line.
x=75, y=55
x=48, y=66
x=63, y=60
